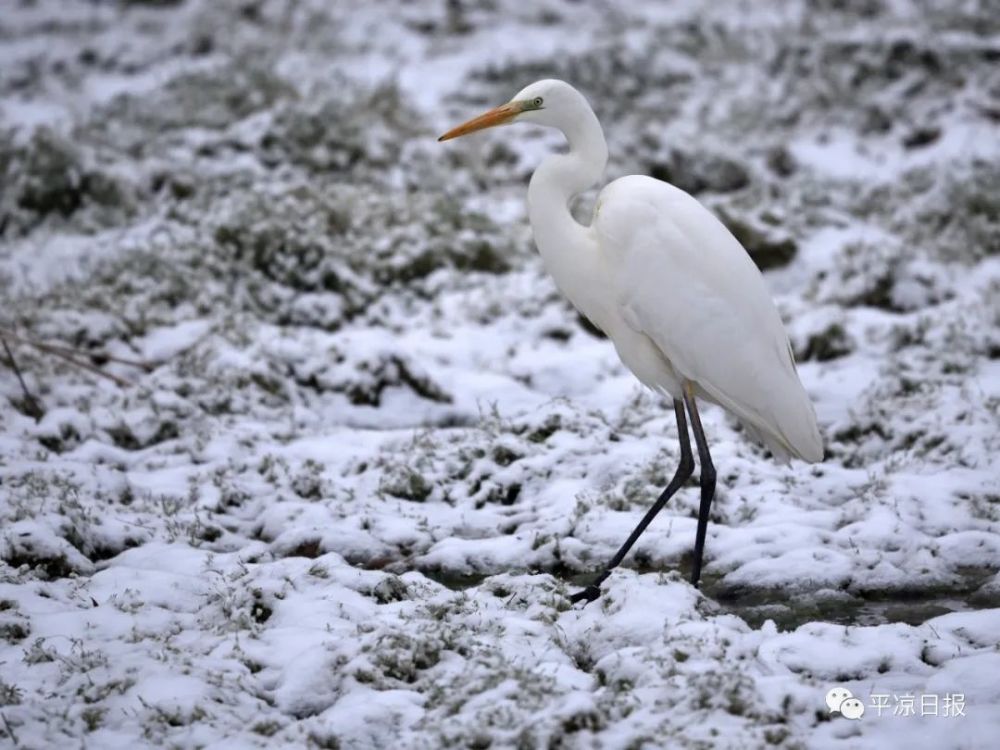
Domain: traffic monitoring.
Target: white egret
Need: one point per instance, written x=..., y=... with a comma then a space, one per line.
x=686, y=308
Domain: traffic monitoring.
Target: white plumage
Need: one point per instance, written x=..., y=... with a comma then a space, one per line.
x=685, y=306
x=680, y=279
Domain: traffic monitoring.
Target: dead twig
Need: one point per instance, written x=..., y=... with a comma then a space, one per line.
x=31, y=404
x=9, y=728
x=69, y=351
x=61, y=353
x=72, y=356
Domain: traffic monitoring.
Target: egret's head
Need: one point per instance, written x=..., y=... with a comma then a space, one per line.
x=543, y=102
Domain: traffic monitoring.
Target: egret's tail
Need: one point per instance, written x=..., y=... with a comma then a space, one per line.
x=790, y=430
x=787, y=426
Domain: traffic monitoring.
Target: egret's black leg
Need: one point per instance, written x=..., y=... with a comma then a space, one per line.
x=707, y=471
x=684, y=471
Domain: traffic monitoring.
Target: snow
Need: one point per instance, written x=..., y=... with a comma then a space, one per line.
x=368, y=451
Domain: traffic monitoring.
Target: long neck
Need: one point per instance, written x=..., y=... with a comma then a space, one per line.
x=568, y=248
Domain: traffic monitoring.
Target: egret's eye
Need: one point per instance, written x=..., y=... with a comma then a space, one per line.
x=537, y=101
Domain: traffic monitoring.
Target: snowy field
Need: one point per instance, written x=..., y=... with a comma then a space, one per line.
x=361, y=451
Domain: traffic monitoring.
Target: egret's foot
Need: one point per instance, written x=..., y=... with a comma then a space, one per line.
x=589, y=594
x=696, y=577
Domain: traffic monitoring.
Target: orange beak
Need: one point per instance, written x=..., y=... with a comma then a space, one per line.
x=497, y=116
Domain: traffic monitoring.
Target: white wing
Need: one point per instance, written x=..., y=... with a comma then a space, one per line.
x=684, y=281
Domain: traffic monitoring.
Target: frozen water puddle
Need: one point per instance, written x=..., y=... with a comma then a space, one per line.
x=789, y=611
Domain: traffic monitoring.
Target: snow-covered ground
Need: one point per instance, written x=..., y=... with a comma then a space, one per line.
x=374, y=450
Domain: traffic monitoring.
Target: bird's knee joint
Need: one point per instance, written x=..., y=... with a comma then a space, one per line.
x=686, y=468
